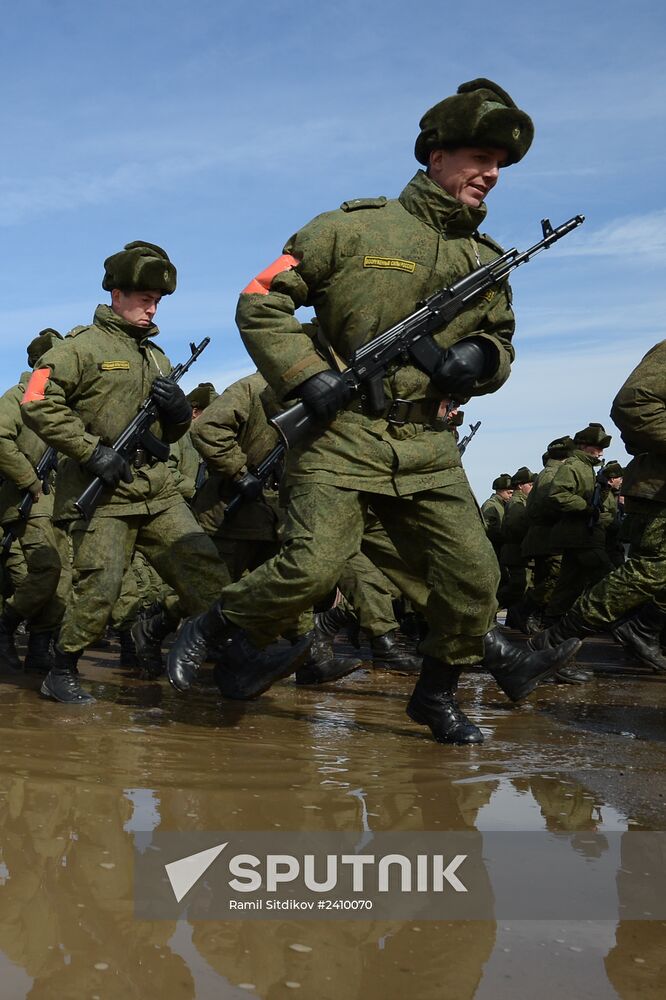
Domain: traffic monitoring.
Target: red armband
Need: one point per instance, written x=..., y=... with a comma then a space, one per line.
x=36, y=385
x=262, y=283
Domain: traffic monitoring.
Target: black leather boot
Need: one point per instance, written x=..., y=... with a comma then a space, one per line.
x=322, y=663
x=388, y=654
x=433, y=704
x=244, y=671
x=518, y=670
x=147, y=635
x=39, y=657
x=128, y=657
x=335, y=619
x=9, y=622
x=641, y=635
x=62, y=681
x=565, y=628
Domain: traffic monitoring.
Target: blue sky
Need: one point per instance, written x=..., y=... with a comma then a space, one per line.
x=217, y=129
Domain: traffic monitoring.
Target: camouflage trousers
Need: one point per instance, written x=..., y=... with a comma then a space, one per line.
x=580, y=569
x=545, y=576
x=642, y=578
x=41, y=586
x=172, y=542
x=438, y=533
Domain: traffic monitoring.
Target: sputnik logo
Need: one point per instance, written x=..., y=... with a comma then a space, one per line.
x=186, y=872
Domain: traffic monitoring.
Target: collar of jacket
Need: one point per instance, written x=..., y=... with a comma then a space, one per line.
x=433, y=205
x=107, y=319
x=586, y=457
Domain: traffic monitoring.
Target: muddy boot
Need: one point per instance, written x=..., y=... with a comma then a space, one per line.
x=147, y=635
x=388, y=654
x=246, y=671
x=128, y=657
x=62, y=681
x=433, y=704
x=39, y=658
x=641, y=634
x=9, y=622
x=323, y=664
x=565, y=628
x=518, y=670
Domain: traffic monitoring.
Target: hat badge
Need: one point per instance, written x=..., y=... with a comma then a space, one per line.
x=515, y=133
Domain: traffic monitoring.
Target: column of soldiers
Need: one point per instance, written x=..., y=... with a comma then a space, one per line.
x=374, y=505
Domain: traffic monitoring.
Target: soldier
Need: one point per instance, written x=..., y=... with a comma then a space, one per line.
x=514, y=592
x=580, y=532
x=363, y=267
x=494, y=509
x=613, y=474
x=37, y=597
x=81, y=396
x=537, y=541
x=631, y=600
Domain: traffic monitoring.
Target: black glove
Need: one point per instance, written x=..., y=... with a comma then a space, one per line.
x=326, y=394
x=109, y=466
x=170, y=401
x=462, y=364
x=249, y=486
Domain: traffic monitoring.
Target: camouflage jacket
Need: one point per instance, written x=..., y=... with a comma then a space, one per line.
x=363, y=268
x=540, y=515
x=639, y=410
x=514, y=527
x=85, y=390
x=570, y=495
x=232, y=435
x=20, y=451
x=184, y=464
x=493, y=510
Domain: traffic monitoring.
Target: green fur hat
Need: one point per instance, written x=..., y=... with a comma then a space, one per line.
x=522, y=476
x=503, y=482
x=560, y=448
x=202, y=396
x=593, y=434
x=140, y=267
x=479, y=114
x=612, y=469
x=42, y=343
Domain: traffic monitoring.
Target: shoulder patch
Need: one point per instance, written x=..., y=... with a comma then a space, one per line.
x=356, y=203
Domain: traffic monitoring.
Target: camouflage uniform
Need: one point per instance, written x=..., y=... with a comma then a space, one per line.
x=86, y=390
x=584, y=557
x=363, y=268
x=639, y=410
x=514, y=566
x=36, y=597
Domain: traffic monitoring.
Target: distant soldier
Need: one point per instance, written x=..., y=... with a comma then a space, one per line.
x=494, y=509
x=537, y=544
x=580, y=531
x=515, y=567
x=631, y=600
x=614, y=473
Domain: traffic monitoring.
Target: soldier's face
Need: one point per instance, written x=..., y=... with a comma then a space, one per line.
x=467, y=173
x=137, y=308
x=505, y=494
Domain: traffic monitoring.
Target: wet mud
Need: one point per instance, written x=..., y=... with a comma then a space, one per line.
x=78, y=787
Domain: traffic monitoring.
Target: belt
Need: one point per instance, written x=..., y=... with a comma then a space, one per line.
x=401, y=411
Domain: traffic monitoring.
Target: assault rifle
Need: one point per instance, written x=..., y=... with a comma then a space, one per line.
x=46, y=465
x=264, y=471
x=599, y=494
x=410, y=340
x=137, y=434
x=462, y=444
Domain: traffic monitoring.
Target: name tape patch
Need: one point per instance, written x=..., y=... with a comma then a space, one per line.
x=393, y=262
x=112, y=366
